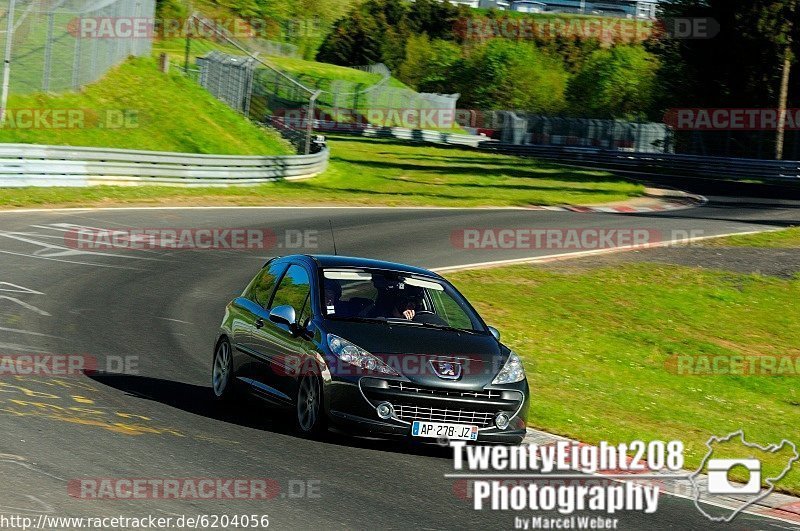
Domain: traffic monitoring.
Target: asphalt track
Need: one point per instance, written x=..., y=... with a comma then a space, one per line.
x=162, y=308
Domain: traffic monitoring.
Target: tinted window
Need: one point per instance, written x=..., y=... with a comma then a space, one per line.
x=260, y=289
x=293, y=290
x=377, y=294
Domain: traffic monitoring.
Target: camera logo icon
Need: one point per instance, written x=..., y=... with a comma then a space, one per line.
x=719, y=483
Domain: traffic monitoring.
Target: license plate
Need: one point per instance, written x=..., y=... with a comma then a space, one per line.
x=436, y=430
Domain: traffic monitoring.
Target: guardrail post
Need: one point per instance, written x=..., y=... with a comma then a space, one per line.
x=310, y=120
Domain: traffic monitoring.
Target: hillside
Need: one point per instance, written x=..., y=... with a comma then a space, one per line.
x=135, y=106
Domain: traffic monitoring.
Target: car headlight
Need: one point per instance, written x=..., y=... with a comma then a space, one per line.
x=512, y=371
x=355, y=355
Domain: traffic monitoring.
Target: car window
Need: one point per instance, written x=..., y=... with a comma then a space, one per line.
x=293, y=289
x=304, y=315
x=449, y=310
x=377, y=294
x=260, y=289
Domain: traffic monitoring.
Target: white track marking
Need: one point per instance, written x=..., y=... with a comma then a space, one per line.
x=61, y=251
x=173, y=320
x=18, y=289
x=25, y=305
x=70, y=261
x=27, y=332
x=11, y=347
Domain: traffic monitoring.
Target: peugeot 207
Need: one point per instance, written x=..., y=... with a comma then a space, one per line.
x=370, y=347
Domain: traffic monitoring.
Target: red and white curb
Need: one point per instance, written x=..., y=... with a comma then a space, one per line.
x=664, y=201
x=775, y=506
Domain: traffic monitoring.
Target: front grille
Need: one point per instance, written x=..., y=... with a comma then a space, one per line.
x=410, y=413
x=401, y=386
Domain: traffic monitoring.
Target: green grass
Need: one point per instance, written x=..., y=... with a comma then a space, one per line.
x=376, y=172
x=165, y=113
x=788, y=238
x=596, y=344
x=319, y=75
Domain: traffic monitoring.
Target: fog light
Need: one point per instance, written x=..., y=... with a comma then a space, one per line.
x=386, y=411
x=501, y=421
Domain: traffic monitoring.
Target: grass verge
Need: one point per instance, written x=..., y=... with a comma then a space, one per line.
x=600, y=348
x=135, y=106
x=783, y=239
x=375, y=172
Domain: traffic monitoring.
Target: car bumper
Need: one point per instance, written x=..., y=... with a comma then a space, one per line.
x=351, y=406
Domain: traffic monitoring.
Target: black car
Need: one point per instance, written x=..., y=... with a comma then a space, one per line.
x=372, y=347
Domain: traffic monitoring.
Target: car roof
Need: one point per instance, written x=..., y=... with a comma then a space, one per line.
x=331, y=261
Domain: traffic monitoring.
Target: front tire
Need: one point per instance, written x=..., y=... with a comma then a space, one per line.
x=222, y=371
x=309, y=413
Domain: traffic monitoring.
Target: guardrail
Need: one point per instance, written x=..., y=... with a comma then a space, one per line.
x=402, y=133
x=666, y=163
x=38, y=165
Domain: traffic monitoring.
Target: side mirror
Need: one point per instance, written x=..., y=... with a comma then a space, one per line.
x=495, y=332
x=284, y=315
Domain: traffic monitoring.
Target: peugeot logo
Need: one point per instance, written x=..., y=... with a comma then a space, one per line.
x=447, y=370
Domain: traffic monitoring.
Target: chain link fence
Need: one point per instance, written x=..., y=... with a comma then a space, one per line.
x=58, y=45
x=264, y=94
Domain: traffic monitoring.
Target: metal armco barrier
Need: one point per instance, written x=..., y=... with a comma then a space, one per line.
x=37, y=165
x=666, y=163
x=415, y=135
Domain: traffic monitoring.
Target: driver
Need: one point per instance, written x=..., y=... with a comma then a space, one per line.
x=407, y=303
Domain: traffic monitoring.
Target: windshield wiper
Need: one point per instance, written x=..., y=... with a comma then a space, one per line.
x=357, y=319
x=449, y=328
x=431, y=325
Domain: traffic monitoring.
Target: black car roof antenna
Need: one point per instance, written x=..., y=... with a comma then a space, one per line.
x=330, y=223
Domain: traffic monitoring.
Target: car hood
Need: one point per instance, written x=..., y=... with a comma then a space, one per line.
x=422, y=354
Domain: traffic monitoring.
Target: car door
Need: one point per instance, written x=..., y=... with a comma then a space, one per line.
x=282, y=352
x=251, y=309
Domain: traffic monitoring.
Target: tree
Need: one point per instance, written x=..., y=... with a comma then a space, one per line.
x=614, y=83
x=355, y=40
x=504, y=74
x=742, y=66
x=428, y=63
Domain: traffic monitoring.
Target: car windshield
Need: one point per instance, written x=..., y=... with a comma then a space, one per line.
x=355, y=294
